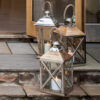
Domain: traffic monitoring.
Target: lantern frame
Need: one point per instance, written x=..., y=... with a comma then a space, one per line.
x=62, y=67
x=44, y=23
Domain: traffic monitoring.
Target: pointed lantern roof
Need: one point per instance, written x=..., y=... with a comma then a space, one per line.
x=70, y=31
x=56, y=56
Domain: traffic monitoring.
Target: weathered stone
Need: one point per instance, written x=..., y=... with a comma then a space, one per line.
x=91, y=89
x=73, y=98
x=47, y=98
x=11, y=90
x=21, y=48
x=4, y=48
x=77, y=91
x=95, y=98
x=27, y=78
x=92, y=77
x=22, y=98
x=8, y=77
x=32, y=91
x=5, y=98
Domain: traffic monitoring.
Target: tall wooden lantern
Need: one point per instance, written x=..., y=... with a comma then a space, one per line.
x=56, y=73
x=43, y=24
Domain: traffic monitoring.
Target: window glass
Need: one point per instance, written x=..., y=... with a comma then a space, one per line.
x=93, y=11
x=58, y=7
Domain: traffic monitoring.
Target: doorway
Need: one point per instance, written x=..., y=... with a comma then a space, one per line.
x=12, y=16
x=93, y=20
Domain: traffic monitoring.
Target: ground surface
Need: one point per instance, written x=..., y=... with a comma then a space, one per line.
x=21, y=58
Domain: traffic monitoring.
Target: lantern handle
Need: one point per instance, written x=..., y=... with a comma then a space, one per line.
x=49, y=3
x=66, y=8
x=51, y=33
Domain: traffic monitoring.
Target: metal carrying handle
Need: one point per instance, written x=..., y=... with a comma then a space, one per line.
x=66, y=8
x=49, y=3
x=51, y=34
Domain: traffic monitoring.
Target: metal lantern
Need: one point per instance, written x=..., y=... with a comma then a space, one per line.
x=56, y=73
x=73, y=40
x=43, y=25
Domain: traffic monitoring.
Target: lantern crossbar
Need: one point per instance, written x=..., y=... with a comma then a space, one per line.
x=51, y=74
x=51, y=77
x=69, y=80
x=76, y=49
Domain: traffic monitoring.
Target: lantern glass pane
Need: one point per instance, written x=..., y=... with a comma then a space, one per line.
x=52, y=77
x=75, y=43
x=80, y=54
x=68, y=78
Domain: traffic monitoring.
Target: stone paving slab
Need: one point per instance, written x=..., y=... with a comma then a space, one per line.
x=91, y=90
x=4, y=48
x=35, y=47
x=91, y=65
x=32, y=91
x=21, y=48
x=11, y=90
x=19, y=63
x=77, y=91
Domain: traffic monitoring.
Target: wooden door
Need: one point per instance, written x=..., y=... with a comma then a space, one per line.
x=30, y=28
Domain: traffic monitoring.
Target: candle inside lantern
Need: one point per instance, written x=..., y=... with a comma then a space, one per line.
x=54, y=86
x=71, y=53
x=47, y=47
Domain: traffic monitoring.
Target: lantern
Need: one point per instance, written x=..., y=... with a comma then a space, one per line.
x=43, y=26
x=56, y=73
x=73, y=40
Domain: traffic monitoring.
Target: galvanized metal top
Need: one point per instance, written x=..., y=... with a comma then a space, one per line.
x=45, y=21
x=56, y=56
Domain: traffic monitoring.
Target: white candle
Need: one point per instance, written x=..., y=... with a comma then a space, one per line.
x=47, y=47
x=54, y=86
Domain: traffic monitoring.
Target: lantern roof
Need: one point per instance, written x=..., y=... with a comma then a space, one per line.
x=45, y=21
x=56, y=56
x=70, y=31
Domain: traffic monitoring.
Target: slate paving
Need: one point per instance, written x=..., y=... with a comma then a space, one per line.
x=11, y=90
x=91, y=89
x=32, y=91
x=35, y=47
x=4, y=48
x=19, y=63
x=21, y=48
x=77, y=91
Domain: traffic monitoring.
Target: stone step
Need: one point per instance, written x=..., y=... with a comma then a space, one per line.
x=11, y=90
x=20, y=78
x=19, y=63
x=31, y=92
x=16, y=37
x=87, y=77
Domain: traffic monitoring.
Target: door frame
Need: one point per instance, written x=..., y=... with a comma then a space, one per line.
x=30, y=27
x=80, y=14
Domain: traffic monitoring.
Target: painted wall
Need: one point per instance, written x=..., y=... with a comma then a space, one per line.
x=12, y=14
